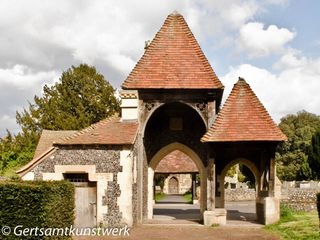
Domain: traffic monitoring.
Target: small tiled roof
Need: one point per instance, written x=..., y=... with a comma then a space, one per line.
x=110, y=131
x=243, y=118
x=176, y=162
x=47, y=138
x=173, y=60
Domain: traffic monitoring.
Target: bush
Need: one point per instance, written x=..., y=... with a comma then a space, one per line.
x=36, y=204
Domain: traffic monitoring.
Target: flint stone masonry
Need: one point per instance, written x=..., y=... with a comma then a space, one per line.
x=300, y=199
x=114, y=216
x=240, y=194
x=106, y=160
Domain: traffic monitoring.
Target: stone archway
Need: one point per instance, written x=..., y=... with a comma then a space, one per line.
x=159, y=156
x=253, y=168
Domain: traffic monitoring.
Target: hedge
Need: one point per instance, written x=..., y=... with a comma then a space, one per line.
x=41, y=204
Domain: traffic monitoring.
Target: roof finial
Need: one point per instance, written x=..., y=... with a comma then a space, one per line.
x=175, y=13
x=241, y=80
x=146, y=44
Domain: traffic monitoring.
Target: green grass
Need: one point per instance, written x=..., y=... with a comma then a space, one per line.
x=159, y=196
x=296, y=225
x=188, y=197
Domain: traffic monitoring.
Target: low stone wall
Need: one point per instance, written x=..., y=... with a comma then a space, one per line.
x=240, y=194
x=300, y=196
x=300, y=199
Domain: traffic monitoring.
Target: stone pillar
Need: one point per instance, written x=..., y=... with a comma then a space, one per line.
x=150, y=192
x=267, y=204
x=213, y=215
x=272, y=177
x=125, y=184
x=272, y=202
x=211, y=185
x=140, y=173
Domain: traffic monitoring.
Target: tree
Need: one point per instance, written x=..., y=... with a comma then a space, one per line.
x=314, y=156
x=80, y=98
x=159, y=179
x=292, y=156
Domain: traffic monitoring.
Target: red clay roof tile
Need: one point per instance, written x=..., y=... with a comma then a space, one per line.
x=176, y=162
x=110, y=131
x=173, y=60
x=243, y=118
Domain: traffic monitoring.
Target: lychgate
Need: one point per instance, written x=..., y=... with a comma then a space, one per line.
x=170, y=101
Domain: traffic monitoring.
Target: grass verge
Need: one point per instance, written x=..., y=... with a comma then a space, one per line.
x=188, y=197
x=159, y=196
x=296, y=225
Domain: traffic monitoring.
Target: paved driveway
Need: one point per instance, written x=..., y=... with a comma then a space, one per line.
x=173, y=209
x=191, y=232
x=176, y=220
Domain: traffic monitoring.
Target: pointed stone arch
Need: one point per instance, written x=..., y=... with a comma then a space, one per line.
x=253, y=168
x=195, y=158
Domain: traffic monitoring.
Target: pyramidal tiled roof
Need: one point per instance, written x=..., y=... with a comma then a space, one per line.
x=110, y=131
x=176, y=162
x=243, y=118
x=173, y=60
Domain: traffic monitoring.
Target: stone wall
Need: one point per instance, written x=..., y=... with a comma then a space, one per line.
x=240, y=194
x=106, y=159
x=113, y=217
x=184, y=183
x=300, y=196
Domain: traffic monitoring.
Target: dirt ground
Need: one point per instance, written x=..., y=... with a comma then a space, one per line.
x=161, y=232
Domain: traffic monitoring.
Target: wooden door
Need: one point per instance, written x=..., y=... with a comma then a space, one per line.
x=86, y=206
x=173, y=186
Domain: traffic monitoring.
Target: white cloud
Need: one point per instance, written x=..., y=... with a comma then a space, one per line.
x=278, y=2
x=216, y=18
x=294, y=88
x=9, y=123
x=18, y=85
x=237, y=14
x=41, y=38
x=257, y=41
x=23, y=78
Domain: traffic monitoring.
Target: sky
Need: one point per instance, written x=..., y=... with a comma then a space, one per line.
x=273, y=44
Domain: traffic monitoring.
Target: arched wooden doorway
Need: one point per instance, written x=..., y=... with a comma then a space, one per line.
x=173, y=185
